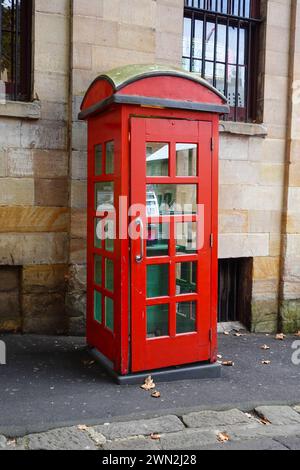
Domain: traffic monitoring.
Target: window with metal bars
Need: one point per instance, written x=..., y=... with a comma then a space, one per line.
x=220, y=41
x=15, y=49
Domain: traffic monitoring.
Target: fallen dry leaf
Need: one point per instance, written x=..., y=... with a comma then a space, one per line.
x=228, y=363
x=265, y=421
x=238, y=335
x=219, y=356
x=298, y=334
x=155, y=437
x=149, y=384
x=280, y=337
x=156, y=395
x=266, y=363
x=82, y=427
x=265, y=347
x=226, y=333
x=223, y=437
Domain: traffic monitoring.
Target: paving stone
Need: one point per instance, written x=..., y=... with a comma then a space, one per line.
x=144, y=427
x=60, y=439
x=2, y=442
x=188, y=440
x=252, y=444
x=210, y=419
x=133, y=444
x=279, y=415
x=239, y=433
x=297, y=408
x=292, y=443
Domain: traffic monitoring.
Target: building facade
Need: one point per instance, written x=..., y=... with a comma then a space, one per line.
x=51, y=51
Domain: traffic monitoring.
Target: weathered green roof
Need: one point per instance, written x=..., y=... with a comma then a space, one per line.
x=122, y=76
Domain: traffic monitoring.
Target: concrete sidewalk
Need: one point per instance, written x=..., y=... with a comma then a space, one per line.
x=50, y=383
x=266, y=428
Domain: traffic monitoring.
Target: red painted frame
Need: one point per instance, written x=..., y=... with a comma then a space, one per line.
x=120, y=347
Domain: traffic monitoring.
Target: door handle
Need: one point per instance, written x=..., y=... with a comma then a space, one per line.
x=139, y=223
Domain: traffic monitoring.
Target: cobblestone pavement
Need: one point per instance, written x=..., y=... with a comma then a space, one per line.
x=265, y=428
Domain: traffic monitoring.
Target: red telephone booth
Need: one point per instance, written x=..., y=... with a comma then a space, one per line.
x=152, y=222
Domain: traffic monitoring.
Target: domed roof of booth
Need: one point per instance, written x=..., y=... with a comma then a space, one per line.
x=121, y=77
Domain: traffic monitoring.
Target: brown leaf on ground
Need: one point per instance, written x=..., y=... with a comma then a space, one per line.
x=155, y=437
x=226, y=333
x=238, y=335
x=265, y=347
x=149, y=384
x=265, y=421
x=280, y=337
x=228, y=363
x=298, y=334
x=266, y=363
x=223, y=437
x=219, y=356
x=156, y=394
x=82, y=427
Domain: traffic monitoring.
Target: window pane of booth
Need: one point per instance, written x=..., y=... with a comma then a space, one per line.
x=110, y=158
x=186, y=278
x=109, y=275
x=186, y=317
x=186, y=237
x=157, y=156
x=104, y=197
x=109, y=313
x=186, y=158
x=97, y=234
x=171, y=199
x=157, y=280
x=109, y=233
x=157, y=321
x=98, y=306
x=98, y=160
x=158, y=240
x=98, y=270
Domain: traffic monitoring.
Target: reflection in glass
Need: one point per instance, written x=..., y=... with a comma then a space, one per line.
x=166, y=199
x=186, y=275
x=109, y=275
x=232, y=49
x=221, y=43
x=98, y=306
x=158, y=240
x=187, y=37
x=98, y=270
x=220, y=78
x=197, y=66
x=104, y=197
x=186, y=237
x=186, y=64
x=97, y=233
x=109, y=233
x=109, y=313
x=98, y=160
x=241, y=90
x=231, y=85
x=157, y=321
x=198, y=39
x=209, y=72
x=157, y=280
x=186, y=156
x=210, y=41
x=186, y=317
x=110, y=158
x=157, y=156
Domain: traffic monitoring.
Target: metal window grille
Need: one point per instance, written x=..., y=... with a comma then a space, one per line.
x=220, y=43
x=15, y=49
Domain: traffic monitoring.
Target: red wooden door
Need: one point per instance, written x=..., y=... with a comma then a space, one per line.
x=171, y=172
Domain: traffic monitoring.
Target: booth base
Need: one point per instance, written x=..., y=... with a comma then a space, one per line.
x=172, y=374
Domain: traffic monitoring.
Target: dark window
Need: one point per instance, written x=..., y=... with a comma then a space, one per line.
x=15, y=49
x=220, y=43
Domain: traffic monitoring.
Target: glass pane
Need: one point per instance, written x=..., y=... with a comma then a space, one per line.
x=210, y=41
x=109, y=233
x=97, y=234
x=158, y=240
x=187, y=37
x=241, y=89
x=242, y=47
x=186, y=237
x=110, y=158
x=157, y=156
x=231, y=85
x=198, y=39
x=98, y=160
x=158, y=321
x=221, y=43
x=186, y=63
x=164, y=199
x=186, y=155
x=186, y=317
x=109, y=313
x=232, y=47
x=157, y=280
x=98, y=270
x=197, y=66
x=220, y=78
x=104, y=197
x=98, y=306
x=109, y=275
x=186, y=278
x=209, y=72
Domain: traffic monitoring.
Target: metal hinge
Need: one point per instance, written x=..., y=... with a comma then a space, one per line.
x=211, y=240
x=212, y=144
